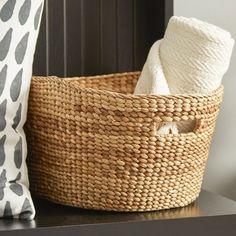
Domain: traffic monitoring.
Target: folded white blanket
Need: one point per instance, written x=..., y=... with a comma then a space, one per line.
x=192, y=58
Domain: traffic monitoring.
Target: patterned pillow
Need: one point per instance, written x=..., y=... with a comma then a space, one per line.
x=19, y=25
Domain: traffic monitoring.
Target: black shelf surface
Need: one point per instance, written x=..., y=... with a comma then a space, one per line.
x=209, y=215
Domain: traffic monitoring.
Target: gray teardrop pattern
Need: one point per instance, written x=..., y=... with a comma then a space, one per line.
x=3, y=108
x=18, y=154
x=7, y=10
x=5, y=44
x=18, y=177
x=7, y=211
x=3, y=76
x=2, y=151
x=24, y=12
x=16, y=86
x=16, y=120
x=16, y=188
x=21, y=49
x=37, y=17
x=26, y=210
x=3, y=181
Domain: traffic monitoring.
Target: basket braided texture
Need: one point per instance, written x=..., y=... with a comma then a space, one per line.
x=92, y=144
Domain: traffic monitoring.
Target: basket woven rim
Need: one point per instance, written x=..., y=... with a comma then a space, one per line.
x=70, y=82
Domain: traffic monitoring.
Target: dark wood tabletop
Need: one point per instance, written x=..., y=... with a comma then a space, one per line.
x=210, y=215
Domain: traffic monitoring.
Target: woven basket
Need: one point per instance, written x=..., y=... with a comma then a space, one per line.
x=93, y=144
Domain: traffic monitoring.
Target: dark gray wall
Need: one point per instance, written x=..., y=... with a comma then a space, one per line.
x=88, y=37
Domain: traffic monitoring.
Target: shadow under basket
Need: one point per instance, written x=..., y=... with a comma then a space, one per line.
x=92, y=144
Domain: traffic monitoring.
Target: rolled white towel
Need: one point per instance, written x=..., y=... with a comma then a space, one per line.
x=195, y=55
x=152, y=81
x=192, y=58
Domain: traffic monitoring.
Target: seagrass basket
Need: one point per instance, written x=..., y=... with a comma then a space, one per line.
x=92, y=144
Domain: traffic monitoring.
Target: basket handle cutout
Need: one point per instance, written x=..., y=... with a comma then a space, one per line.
x=181, y=127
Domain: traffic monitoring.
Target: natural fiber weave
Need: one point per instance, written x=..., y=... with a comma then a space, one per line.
x=94, y=148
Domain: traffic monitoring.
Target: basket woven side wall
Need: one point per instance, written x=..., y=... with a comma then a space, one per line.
x=92, y=144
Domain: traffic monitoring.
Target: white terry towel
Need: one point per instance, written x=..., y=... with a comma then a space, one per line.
x=193, y=57
x=152, y=81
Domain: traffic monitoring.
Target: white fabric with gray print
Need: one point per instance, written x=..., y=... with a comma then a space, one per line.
x=19, y=26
